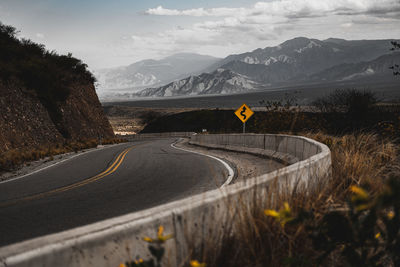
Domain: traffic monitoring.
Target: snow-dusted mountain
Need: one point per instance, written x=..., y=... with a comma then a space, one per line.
x=301, y=57
x=149, y=73
x=219, y=82
x=300, y=60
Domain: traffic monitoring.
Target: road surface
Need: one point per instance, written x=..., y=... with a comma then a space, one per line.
x=102, y=184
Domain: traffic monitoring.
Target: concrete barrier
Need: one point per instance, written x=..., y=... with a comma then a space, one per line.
x=285, y=148
x=192, y=220
x=146, y=136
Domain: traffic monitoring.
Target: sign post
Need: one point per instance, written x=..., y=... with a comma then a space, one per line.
x=244, y=113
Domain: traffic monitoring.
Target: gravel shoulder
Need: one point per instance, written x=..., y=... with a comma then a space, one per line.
x=246, y=165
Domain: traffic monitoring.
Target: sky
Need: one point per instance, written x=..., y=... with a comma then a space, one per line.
x=110, y=33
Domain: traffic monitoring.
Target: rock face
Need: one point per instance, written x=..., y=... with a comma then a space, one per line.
x=82, y=115
x=219, y=82
x=23, y=120
x=26, y=122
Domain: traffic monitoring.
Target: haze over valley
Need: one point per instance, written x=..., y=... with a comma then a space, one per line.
x=298, y=61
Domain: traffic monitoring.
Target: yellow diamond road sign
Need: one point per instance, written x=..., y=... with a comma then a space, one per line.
x=244, y=113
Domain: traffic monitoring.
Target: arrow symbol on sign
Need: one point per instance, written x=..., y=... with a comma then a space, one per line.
x=242, y=113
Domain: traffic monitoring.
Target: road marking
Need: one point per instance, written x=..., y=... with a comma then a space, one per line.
x=118, y=161
x=231, y=173
x=58, y=162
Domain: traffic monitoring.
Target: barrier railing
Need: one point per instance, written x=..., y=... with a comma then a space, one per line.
x=144, y=136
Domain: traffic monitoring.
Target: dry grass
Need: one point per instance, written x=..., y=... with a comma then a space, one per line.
x=358, y=159
x=14, y=158
x=258, y=240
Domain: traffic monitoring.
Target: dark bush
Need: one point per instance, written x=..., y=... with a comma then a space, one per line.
x=395, y=67
x=350, y=101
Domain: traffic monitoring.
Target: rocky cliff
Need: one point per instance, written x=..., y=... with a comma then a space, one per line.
x=45, y=98
x=26, y=122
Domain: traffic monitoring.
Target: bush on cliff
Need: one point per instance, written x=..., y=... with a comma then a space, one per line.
x=45, y=73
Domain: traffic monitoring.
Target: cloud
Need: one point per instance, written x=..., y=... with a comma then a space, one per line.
x=346, y=25
x=268, y=20
x=40, y=35
x=291, y=9
x=197, y=12
x=367, y=20
x=224, y=30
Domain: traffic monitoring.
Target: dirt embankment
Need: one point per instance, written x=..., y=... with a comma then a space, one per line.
x=26, y=122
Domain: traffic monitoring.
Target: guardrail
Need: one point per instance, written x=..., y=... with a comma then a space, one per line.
x=285, y=148
x=133, y=137
x=191, y=220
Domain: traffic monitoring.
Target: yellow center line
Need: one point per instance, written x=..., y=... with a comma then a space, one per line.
x=118, y=161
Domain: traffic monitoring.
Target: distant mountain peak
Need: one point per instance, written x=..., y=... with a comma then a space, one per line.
x=335, y=40
x=150, y=72
x=186, y=55
x=221, y=81
x=298, y=42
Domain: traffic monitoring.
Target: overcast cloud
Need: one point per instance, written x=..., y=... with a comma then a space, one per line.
x=112, y=33
x=267, y=23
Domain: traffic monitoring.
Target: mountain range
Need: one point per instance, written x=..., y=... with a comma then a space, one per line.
x=299, y=60
x=221, y=81
x=151, y=72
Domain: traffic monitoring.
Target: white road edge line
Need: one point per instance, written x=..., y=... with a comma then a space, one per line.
x=56, y=163
x=231, y=173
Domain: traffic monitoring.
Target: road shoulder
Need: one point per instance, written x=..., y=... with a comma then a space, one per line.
x=246, y=166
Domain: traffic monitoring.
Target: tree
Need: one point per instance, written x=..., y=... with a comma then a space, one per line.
x=395, y=67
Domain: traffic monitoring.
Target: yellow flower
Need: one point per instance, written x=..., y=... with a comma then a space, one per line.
x=360, y=198
x=283, y=216
x=390, y=214
x=148, y=239
x=359, y=192
x=138, y=261
x=378, y=235
x=362, y=207
x=271, y=213
x=122, y=265
x=195, y=263
x=160, y=237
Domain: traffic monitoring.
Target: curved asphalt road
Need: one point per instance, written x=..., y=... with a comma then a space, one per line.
x=102, y=184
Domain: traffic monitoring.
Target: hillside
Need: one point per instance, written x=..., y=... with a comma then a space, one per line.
x=45, y=98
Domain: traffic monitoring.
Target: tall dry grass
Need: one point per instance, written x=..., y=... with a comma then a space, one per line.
x=258, y=240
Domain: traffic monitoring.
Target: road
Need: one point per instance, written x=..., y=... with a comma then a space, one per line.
x=102, y=184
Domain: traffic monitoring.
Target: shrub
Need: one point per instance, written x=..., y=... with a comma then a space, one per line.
x=353, y=102
x=49, y=75
x=367, y=233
